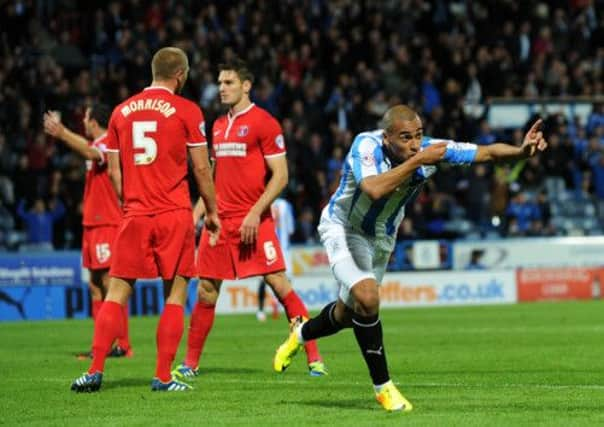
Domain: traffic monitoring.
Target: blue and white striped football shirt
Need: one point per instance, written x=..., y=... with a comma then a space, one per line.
x=351, y=207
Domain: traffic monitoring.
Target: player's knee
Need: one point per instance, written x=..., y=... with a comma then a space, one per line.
x=343, y=315
x=119, y=290
x=207, y=292
x=95, y=293
x=367, y=298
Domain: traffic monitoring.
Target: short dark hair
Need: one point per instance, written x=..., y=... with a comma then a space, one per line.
x=101, y=113
x=240, y=67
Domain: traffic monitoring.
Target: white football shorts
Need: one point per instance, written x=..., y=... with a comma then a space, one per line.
x=353, y=257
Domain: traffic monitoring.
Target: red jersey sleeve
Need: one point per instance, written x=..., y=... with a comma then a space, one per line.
x=195, y=126
x=213, y=145
x=100, y=145
x=272, y=142
x=111, y=141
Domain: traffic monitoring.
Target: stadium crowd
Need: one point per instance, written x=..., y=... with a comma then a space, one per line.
x=326, y=70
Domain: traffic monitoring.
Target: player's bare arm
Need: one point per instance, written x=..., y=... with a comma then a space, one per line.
x=114, y=169
x=274, y=187
x=54, y=127
x=199, y=210
x=378, y=186
x=533, y=143
x=205, y=184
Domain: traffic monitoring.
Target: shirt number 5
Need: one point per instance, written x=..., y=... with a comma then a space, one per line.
x=141, y=141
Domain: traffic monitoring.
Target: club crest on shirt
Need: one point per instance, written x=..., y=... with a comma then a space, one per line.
x=243, y=130
x=280, y=141
x=202, y=128
x=367, y=159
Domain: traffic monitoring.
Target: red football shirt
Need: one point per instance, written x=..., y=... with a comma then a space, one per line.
x=151, y=131
x=101, y=206
x=240, y=146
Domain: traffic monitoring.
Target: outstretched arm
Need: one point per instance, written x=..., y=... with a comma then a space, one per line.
x=533, y=142
x=377, y=186
x=54, y=127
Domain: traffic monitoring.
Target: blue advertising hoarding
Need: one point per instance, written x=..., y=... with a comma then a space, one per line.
x=52, y=285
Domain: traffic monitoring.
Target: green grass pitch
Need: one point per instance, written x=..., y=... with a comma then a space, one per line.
x=527, y=364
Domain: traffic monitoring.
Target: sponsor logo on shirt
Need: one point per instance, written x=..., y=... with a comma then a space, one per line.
x=279, y=141
x=243, y=130
x=230, y=149
x=202, y=128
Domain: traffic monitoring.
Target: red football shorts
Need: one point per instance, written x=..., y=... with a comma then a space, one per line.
x=97, y=246
x=150, y=246
x=230, y=259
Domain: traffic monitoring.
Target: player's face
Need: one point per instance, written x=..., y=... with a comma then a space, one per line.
x=404, y=138
x=230, y=87
x=87, y=123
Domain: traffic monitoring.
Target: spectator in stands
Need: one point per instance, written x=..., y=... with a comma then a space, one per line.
x=596, y=118
x=7, y=223
x=485, y=135
x=336, y=65
x=39, y=222
x=475, y=262
x=521, y=212
x=597, y=171
x=8, y=162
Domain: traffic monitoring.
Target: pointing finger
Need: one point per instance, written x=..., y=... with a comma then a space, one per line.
x=535, y=126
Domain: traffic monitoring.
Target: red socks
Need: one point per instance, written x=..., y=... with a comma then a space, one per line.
x=96, y=306
x=169, y=333
x=295, y=307
x=123, y=341
x=202, y=320
x=107, y=327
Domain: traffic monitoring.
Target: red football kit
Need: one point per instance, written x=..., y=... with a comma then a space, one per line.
x=102, y=213
x=151, y=132
x=241, y=143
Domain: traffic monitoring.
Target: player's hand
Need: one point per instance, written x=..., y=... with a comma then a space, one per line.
x=432, y=154
x=533, y=140
x=52, y=124
x=249, y=228
x=212, y=224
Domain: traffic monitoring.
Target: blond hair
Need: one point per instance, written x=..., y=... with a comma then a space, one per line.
x=167, y=62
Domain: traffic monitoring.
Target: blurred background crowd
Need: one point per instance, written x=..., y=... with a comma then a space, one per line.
x=327, y=70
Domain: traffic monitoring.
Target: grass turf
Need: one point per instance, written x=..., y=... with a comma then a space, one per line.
x=538, y=364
